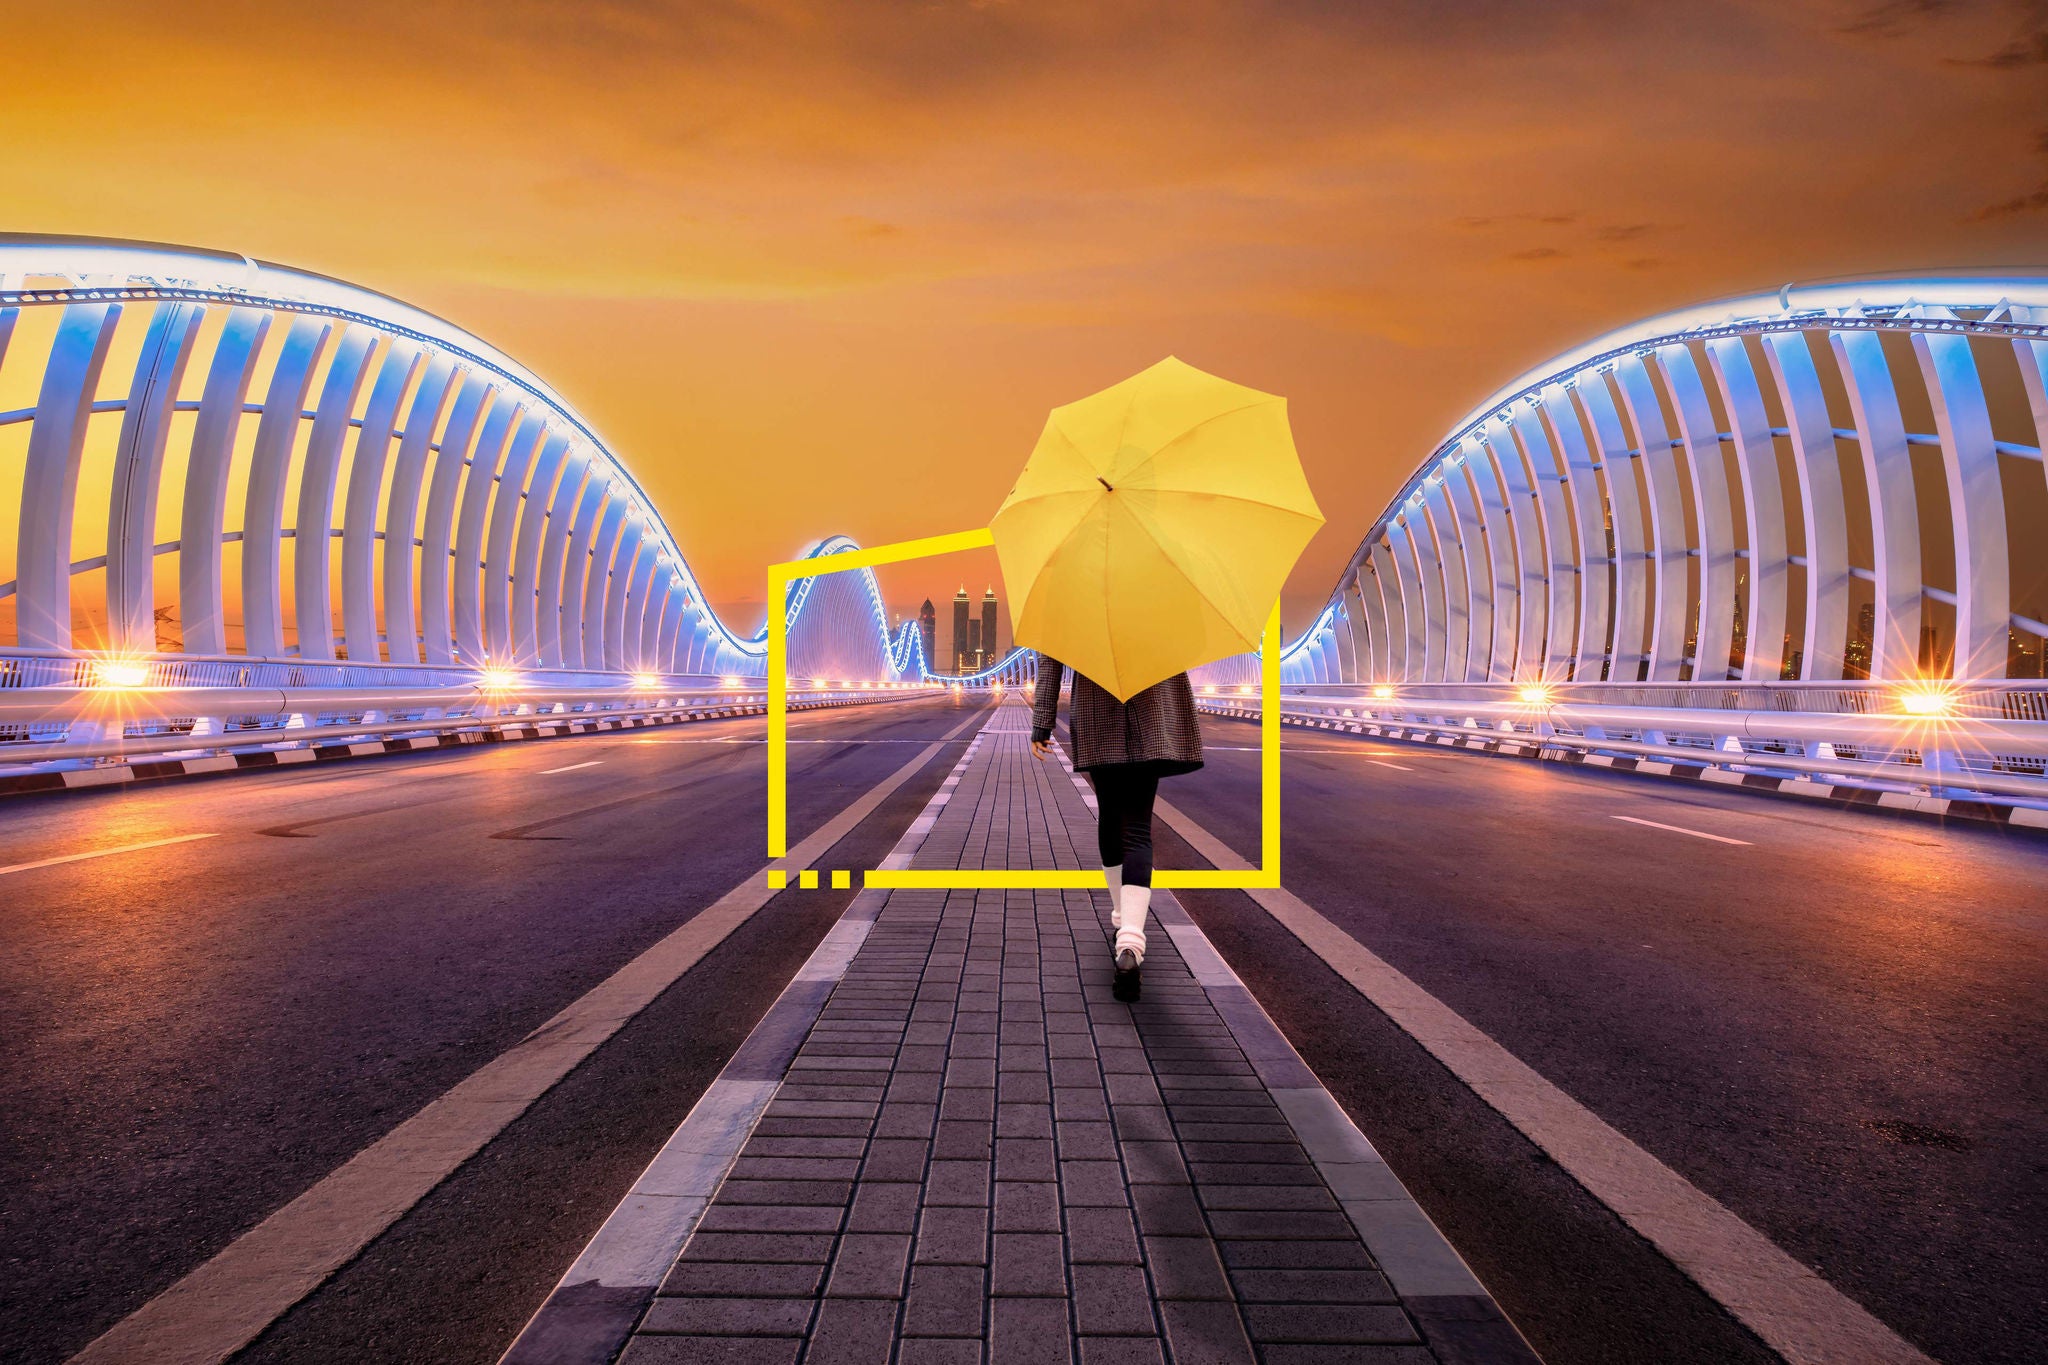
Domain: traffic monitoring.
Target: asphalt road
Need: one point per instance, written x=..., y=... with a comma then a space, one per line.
x=1838, y=1028
x=197, y=1032
x=1835, y=1028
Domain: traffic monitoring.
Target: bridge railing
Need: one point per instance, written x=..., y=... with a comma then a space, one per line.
x=1981, y=740
x=48, y=728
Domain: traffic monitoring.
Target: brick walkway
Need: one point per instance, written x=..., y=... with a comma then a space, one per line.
x=976, y=1154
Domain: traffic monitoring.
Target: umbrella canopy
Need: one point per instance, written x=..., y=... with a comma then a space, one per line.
x=1153, y=526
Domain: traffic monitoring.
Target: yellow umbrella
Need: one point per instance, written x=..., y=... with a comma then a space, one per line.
x=1153, y=526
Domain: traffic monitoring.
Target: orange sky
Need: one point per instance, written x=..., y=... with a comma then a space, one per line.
x=823, y=268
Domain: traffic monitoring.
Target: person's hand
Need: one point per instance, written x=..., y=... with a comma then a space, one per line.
x=1039, y=749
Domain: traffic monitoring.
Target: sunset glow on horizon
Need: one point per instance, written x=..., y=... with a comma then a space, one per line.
x=817, y=270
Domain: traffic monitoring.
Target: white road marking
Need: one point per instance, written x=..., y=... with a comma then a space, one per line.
x=223, y=1305
x=1681, y=829
x=102, y=853
x=1797, y=1313
x=1379, y=763
x=550, y=772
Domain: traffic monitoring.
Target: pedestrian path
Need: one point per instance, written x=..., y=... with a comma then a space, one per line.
x=973, y=1153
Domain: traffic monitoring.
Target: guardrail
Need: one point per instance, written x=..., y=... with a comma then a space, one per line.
x=43, y=728
x=1955, y=741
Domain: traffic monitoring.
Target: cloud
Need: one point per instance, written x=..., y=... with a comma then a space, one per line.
x=1893, y=18
x=1538, y=253
x=2033, y=202
x=1625, y=232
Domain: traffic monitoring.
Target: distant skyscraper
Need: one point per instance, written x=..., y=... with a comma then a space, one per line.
x=928, y=631
x=962, y=646
x=988, y=625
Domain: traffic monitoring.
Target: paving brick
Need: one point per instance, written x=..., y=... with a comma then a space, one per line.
x=1186, y=1268
x=1095, y=1183
x=1028, y=1263
x=1025, y=1159
x=895, y=1159
x=1205, y=1334
x=1027, y=1206
x=1101, y=1236
x=1112, y=1300
x=655, y=1350
x=722, y=1217
x=1121, y=1351
x=1168, y=1211
x=756, y=1246
x=1347, y=1254
x=1334, y=1323
x=957, y=1182
x=1312, y=1286
x=832, y=1192
x=869, y=1265
x=944, y=1301
x=939, y=1351
x=1029, y=1332
x=743, y=1278
x=885, y=1208
x=953, y=1236
x=728, y=1317
x=852, y=1332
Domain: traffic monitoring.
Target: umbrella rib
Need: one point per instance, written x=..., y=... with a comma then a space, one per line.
x=1212, y=417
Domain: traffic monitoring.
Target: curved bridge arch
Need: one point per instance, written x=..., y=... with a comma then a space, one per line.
x=410, y=499
x=1726, y=492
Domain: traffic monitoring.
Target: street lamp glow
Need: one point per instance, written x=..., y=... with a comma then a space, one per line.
x=646, y=682
x=1535, y=694
x=1927, y=702
x=118, y=674
x=498, y=679
x=1382, y=692
x=728, y=681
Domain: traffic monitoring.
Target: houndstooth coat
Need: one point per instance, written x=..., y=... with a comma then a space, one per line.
x=1157, y=727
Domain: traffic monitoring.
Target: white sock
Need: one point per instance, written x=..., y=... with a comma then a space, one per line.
x=1132, y=903
x=1115, y=877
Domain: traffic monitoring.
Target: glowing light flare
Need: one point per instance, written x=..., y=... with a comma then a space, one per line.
x=1928, y=701
x=1382, y=692
x=494, y=679
x=728, y=681
x=118, y=675
x=1534, y=694
x=646, y=682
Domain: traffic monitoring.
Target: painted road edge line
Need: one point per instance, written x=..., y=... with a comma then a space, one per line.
x=1681, y=829
x=1786, y=1303
x=550, y=772
x=1458, y=1315
x=104, y=852
x=222, y=1305
x=591, y=1312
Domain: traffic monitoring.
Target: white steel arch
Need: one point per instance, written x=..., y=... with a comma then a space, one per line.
x=1618, y=514
x=481, y=521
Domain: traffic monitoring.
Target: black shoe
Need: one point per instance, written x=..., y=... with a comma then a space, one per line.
x=1125, y=986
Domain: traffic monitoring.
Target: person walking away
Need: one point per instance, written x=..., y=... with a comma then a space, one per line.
x=1124, y=748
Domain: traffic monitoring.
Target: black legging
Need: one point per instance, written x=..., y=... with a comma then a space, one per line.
x=1123, y=828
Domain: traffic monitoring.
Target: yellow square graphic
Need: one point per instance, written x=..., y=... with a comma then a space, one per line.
x=808, y=879
x=780, y=576
x=841, y=880
x=777, y=879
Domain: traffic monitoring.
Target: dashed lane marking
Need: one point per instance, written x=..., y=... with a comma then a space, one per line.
x=102, y=853
x=1381, y=763
x=1681, y=829
x=550, y=772
x=223, y=1305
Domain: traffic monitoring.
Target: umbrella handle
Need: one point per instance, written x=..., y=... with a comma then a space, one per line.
x=1105, y=483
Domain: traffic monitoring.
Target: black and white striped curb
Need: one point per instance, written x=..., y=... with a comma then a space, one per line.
x=73, y=779
x=1844, y=795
